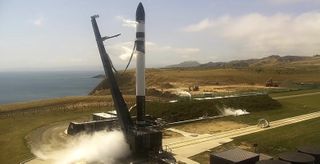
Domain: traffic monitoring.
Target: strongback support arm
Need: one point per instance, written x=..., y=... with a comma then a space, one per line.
x=121, y=107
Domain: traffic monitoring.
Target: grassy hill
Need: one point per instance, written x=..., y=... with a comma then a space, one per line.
x=289, y=71
x=270, y=61
x=185, y=64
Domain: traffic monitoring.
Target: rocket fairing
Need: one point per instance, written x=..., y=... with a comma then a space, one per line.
x=140, y=64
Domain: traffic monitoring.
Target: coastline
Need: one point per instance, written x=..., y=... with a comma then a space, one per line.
x=16, y=87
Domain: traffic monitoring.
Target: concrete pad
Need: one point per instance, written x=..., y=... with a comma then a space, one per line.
x=194, y=149
x=185, y=160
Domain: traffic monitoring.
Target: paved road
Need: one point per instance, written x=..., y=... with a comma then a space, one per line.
x=190, y=145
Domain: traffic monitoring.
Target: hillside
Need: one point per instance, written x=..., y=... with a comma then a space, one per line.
x=185, y=64
x=233, y=76
x=269, y=61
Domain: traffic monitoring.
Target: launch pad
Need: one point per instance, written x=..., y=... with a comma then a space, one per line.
x=142, y=133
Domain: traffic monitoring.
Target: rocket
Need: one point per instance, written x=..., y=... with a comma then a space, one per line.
x=140, y=64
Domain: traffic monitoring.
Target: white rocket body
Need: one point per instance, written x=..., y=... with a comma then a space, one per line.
x=140, y=64
x=140, y=67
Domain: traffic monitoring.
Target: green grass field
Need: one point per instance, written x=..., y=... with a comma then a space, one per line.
x=18, y=125
x=13, y=130
x=290, y=107
x=294, y=92
x=287, y=137
x=191, y=109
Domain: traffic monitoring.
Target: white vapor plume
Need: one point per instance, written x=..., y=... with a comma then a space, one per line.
x=184, y=94
x=101, y=147
x=232, y=112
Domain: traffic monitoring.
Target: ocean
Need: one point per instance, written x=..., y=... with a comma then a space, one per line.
x=26, y=86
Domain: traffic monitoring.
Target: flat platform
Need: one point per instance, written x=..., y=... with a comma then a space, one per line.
x=233, y=156
x=272, y=162
x=311, y=150
x=297, y=158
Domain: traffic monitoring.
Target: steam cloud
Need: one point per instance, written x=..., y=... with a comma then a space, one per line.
x=100, y=147
x=233, y=112
x=184, y=94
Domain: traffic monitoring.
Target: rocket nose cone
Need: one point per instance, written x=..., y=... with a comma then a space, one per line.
x=140, y=12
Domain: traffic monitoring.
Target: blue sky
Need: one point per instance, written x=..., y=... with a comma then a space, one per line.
x=57, y=35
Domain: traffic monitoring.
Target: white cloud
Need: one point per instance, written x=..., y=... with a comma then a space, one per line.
x=292, y=1
x=124, y=50
x=126, y=53
x=178, y=52
x=150, y=43
x=256, y=33
x=121, y=50
x=127, y=22
x=166, y=54
x=38, y=22
x=204, y=24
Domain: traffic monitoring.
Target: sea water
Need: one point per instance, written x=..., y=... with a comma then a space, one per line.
x=26, y=86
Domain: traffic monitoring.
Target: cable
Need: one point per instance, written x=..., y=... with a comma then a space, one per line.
x=133, y=106
x=133, y=50
x=115, y=70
